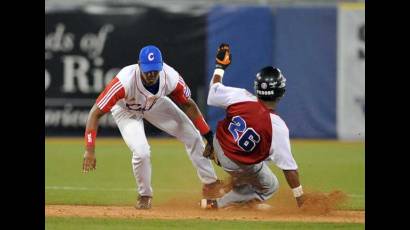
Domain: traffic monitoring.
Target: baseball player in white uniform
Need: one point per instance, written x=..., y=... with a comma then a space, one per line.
x=250, y=135
x=148, y=90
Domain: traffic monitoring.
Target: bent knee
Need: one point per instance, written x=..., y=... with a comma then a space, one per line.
x=272, y=187
x=141, y=155
x=191, y=139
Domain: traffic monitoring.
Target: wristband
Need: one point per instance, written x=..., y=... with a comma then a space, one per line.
x=298, y=191
x=219, y=72
x=89, y=137
x=201, y=125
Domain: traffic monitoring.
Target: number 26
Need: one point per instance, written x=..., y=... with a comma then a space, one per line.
x=249, y=138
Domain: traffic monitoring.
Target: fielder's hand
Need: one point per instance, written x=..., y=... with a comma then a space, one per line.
x=89, y=162
x=223, y=56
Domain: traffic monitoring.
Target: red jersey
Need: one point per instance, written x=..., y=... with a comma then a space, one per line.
x=246, y=132
x=250, y=132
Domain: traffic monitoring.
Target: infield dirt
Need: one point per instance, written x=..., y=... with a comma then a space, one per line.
x=319, y=207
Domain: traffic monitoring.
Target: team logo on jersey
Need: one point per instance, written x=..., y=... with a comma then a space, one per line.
x=135, y=107
x=187, y=92
x=140, y=107
x=151, y=56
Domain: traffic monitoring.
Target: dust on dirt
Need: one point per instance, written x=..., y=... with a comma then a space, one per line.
x=318, y=207
x=321, y=203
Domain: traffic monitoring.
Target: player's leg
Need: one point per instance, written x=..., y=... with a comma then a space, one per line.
x=250, y=182
x=166, y=116
x=242, y=194
x=265, y=183
x=132, y=131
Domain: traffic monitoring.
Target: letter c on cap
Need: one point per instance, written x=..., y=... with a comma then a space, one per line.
x=151, y=56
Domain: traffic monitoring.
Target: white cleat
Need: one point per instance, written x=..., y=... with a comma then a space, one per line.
x=208, y=204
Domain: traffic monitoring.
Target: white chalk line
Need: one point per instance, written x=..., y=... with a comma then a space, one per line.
x=70, y=188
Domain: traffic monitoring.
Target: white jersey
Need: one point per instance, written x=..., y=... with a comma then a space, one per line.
x=126, y=90
x=245, y=114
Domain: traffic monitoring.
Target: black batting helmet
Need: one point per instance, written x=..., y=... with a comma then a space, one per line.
x=269, y=84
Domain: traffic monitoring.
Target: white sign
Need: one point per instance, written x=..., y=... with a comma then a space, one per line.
x=351, y=72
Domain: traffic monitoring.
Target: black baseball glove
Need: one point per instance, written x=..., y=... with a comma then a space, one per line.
x=223, y=56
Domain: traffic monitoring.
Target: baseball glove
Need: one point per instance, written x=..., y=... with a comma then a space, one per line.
x=209, y=153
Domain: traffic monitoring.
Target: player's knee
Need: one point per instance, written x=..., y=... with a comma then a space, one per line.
x=275, y=184
x=272, y=187
x=141, y=155
x=192, y=140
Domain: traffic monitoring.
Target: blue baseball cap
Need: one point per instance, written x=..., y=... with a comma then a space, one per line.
x=150, y=59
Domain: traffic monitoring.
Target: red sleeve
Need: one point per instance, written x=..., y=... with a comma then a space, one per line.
x=113, y=92
x=181, y=93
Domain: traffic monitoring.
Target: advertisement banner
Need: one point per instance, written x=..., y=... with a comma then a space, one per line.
x=351, y=72
x=85, y=49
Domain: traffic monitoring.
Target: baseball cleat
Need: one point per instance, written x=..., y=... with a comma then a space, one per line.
x=143, y=202
x=208, y=204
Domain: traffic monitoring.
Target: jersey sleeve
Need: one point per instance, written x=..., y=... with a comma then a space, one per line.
x=223, y=96
x=282, y=156
x=181, y=93
x=113, y=92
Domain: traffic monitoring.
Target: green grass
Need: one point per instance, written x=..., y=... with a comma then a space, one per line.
x=324, y=166
x=58, y=223
x=113, y=181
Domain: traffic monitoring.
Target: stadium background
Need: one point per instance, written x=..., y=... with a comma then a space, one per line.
x=319, y=46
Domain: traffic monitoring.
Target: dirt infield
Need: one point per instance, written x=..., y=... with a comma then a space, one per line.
x=169, y=212
x=318, y=208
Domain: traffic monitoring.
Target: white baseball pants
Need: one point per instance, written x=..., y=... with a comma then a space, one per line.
x=166, y=116
x=251, y=182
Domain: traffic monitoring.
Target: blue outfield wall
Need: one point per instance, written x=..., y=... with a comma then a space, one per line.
x=305, y=50
x=301, y=41
x=249, y=32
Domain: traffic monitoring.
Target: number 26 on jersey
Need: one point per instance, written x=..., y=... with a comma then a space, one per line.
x=249, y=138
